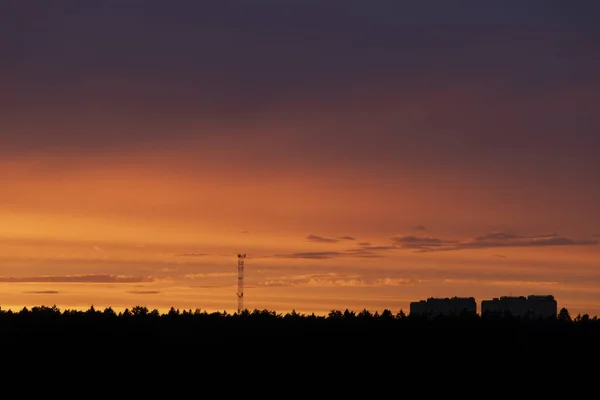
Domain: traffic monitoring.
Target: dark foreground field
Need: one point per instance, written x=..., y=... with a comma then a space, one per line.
x=355, y=347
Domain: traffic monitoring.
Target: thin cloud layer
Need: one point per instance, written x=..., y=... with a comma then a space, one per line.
x=42, y=292
x=509, y=283
x=419, y=242
x=511, y=236
x=398, y=282
x=489, y=240
x=203, y=275
x=320, y=239
x=378, y=248
x=311, y=255
x=360, y=252
x=78, y=278
x=216, y=286
x=334, y=279
x=363, y=250
x=144, y=291
x=369, y=251
x=330, y=279
x=501, y=239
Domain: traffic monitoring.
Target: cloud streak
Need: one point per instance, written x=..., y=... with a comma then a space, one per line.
x=320, y=239
x=364, y=250
x=203, y=275
x=360, y=252
x=217, y=286
x=318, y=255
x=143, y=291
x=398, y=282
x=78, y=278
x=42, y=292
x=488, y=241
x=420, y=242
x=346, y=238
x=378, y=248
x=329, y=279
x=509, y=283
x=334, y=279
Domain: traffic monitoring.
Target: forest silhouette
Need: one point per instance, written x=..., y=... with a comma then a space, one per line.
x=196, y=329
x=155, y=352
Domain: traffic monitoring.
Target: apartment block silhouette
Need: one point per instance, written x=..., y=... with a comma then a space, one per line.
x=449, y=306
x=533, y=306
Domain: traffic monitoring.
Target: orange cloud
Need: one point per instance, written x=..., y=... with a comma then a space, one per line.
x=78, y=278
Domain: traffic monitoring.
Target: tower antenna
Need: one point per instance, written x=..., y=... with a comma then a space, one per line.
x=240, y=292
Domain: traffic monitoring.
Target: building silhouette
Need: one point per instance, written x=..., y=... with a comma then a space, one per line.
x=448, y=306
x=532, y=306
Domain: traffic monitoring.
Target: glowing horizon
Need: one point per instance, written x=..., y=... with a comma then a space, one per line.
x=385, y=155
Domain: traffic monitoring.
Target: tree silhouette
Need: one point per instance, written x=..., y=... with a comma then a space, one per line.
x=187, y=330
x=386, y=315
x=564, y=315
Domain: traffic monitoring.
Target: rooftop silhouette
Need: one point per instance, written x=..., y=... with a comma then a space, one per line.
x=532, y=306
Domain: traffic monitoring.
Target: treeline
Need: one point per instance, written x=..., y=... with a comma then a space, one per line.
x=51, y=315
x=142, y=321
x=265, y=333
x=49, y=320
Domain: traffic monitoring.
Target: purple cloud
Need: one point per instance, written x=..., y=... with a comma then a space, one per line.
x=490, y=240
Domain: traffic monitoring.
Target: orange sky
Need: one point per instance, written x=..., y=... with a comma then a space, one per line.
x=108, y=232
x=363, y=156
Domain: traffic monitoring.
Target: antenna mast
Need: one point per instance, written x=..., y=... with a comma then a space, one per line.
x=240, y=292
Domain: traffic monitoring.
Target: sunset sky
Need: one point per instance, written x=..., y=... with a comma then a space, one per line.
x=364, y=154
